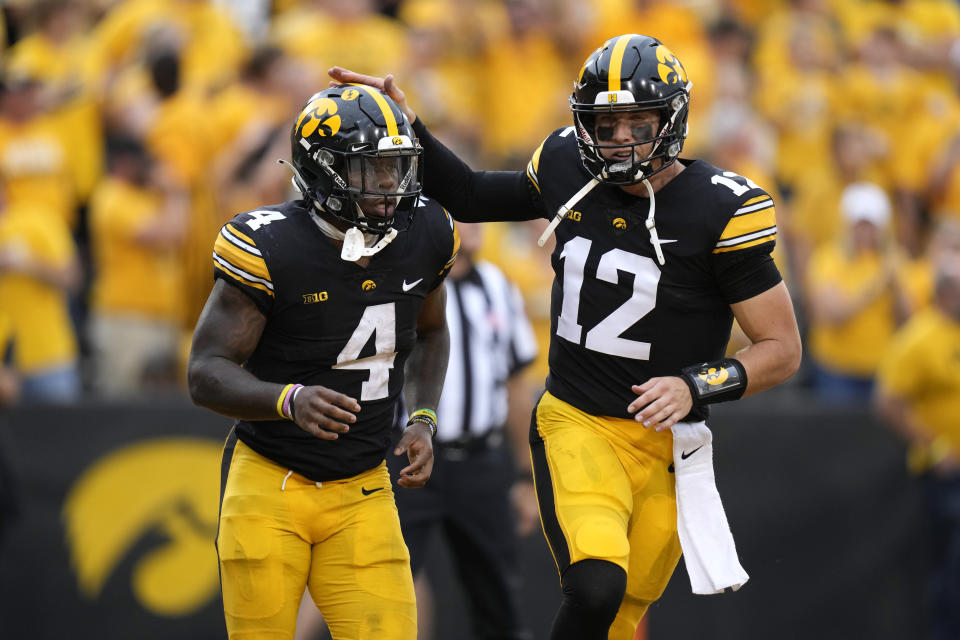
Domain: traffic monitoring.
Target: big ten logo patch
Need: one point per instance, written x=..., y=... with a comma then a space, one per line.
x=310, y=298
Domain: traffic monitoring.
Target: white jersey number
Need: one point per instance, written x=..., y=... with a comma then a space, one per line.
x=380, y=321
x=605, y=336
x=737, y=188
x=260, y=218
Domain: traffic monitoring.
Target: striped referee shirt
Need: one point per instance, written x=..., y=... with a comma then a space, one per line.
x=490, y=340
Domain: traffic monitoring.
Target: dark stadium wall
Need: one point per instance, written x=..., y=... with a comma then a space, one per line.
x=117, y=516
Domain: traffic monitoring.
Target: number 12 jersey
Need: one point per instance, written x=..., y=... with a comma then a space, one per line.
x=618, y=316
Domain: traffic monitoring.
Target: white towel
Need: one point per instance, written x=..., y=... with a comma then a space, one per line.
x=708, y=548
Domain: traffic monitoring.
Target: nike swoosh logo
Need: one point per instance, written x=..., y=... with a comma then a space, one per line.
x=665, y=241
x=685, y=455
x=366, y=493
x=407, y=287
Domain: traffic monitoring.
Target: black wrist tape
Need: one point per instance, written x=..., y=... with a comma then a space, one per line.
x=717, y=381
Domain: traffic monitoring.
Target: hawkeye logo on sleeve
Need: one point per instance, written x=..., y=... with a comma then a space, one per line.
x=620, y=223
x=319, y=116
x=153, y=503
x=714, y=376
x=368, y=285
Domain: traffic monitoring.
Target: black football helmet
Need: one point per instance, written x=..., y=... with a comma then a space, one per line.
x=627, y=74
x=352, y=145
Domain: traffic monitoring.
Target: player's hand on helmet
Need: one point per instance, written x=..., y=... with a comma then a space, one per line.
x=386, y=84
x=417, y=442
x=661, y=402
x=323, y=412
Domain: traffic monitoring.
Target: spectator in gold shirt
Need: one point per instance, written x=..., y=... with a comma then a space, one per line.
x=38, y=268
x=919, y=395
x=855, y=298
x=137, y=222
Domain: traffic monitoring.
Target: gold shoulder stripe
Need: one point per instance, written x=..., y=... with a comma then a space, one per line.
x=535, y=160
x=241, y=276
x=232, y=229
x=616, y=62
x=532, y=177
x=241, y=259
x=749, y=222
x=756, y=200
x=764, y=204
x=388, y=116
x=748, y=243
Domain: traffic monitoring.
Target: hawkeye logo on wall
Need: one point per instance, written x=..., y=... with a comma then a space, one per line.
x=167, y=489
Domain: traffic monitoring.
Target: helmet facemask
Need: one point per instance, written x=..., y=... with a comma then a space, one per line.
x=666, y=136
x=366, y=188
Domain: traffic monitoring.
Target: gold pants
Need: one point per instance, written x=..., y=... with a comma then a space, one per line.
x=280, y=532
x=606, y=491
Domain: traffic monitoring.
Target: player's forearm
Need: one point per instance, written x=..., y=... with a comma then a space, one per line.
x=427, y=368
x=769, y=362
x=224, y=386
x=473, y=196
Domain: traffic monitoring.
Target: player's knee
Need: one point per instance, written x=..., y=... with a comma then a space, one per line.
x=595, y=587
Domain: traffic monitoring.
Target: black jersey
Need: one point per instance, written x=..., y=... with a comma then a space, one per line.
x=332, y=323
x=618, y=316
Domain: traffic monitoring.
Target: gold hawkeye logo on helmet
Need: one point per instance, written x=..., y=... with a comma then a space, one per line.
x=670, y=69
x=314, y=118
x=397, y=141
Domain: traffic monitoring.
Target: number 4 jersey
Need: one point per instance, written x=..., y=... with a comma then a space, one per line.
x=618, y=316
x=332, y=323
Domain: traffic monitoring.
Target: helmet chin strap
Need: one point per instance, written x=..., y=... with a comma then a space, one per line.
x=565, y=209
x=355, y=247
x=651, y=224
x=579, y=195
x=354, y=240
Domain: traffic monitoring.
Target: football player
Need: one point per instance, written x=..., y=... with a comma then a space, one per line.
x=655, y=255
x=317, y=305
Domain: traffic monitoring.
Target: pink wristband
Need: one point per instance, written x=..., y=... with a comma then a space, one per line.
x=287, y=400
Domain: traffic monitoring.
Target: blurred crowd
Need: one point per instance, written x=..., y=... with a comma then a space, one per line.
x=130, y=130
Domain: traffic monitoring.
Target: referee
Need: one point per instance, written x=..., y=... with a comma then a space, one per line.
x=481, y=494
